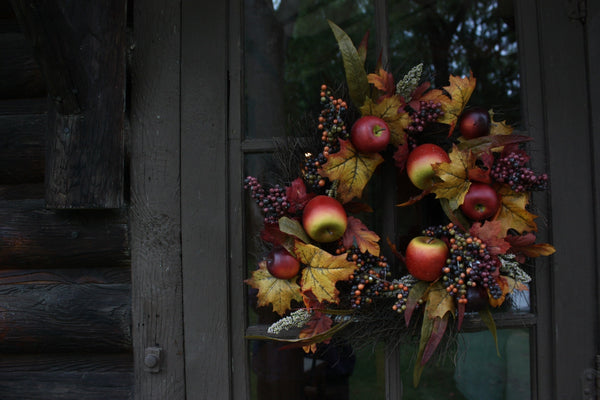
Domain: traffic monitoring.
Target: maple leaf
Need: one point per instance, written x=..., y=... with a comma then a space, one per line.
x=459, y=90
x=318, y=324
x=439, y=302
x=486, y=144
x=513, y=213
x=507, y=285
x=454, y=183
x=277, y=292
x=351, y=169
x=492, y=234
x=523, y=246
x=322, y=270
x=383, y=81
x=357, y=232
x=389, y=109
x=297, y=195
x=499, y=127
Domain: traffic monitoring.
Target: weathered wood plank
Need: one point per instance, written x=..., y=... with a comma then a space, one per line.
x=32, y=236
x=65, y=318
x=12, y=107
x=22, y=148
x=21, y=75
x=59, y=376
x=26, y=191
x=155, y=198
x=81, y=49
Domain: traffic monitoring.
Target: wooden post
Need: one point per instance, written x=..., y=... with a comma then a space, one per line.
x=155, y=211
x=81, y=49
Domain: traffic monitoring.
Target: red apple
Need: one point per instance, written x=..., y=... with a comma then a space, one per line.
x=324, y=219
x=370, y=134
x=281, y=264
x=426, y=257
x=481, y=202
x=474, y=123
x=418, y=164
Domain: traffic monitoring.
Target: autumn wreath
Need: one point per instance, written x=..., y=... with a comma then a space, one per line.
x=325, y=274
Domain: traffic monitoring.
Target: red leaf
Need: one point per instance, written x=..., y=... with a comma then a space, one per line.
x=318, y=324
x=479, y=175
x=437, y=333
x=523, y=246
x=491, y=233
x=272, y=234
x=357, y=232
x=297, y=196
x=401, y=155
x=415, y=199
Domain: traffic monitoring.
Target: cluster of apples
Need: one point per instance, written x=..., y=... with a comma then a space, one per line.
x=426, y=256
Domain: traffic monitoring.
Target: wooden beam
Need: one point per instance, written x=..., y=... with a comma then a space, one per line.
x=21, y=74
x=36, y=237
x=22, y=148
x=81, y=49
x=155, y=199
x=65, y=318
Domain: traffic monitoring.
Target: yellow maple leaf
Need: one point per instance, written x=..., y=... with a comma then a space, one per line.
x=453, y=176
x=439, y=302
x=499, y=127
x=513, y=210
x=460, y=90
x=389, y=110
x=277, y=292
x=351, y=169
x=322, y=270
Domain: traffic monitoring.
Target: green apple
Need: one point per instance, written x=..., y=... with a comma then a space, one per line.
x=426, y=257
x=419, y=164
x=324, y=219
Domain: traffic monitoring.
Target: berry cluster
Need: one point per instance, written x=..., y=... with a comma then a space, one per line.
x=369, y=278
x=331, y=121
x=469, y=263
x=428, y=112
x=272, y=202
x=511, y=169
x=310, y=171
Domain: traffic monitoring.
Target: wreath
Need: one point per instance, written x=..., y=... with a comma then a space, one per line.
x=325, y=274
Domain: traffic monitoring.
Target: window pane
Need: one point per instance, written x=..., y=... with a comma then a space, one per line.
x=477, y=372
x=456, y=36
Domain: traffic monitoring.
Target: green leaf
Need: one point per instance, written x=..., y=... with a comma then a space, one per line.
x=356, y=77
x=426, y=330
x=294, y=228
x=488, y=320
x=437, y=333
x=305, y=341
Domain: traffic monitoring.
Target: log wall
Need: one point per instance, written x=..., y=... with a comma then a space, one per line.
x=65, y=276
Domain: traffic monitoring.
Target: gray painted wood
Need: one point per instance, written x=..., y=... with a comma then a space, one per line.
x=204, y=199
x=155, y=212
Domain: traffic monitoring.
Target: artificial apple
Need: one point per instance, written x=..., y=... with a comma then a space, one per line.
x=426, y=257
x=281, y=264
x=419, y=164
x=474, y=123
x=370, y=134
x=324, y=219
x=477, y=298
x=481, y=202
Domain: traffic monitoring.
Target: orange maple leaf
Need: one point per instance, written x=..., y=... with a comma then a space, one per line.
x=277, y=292
x=453, y=176
x=389, y=109
x=507, y=285
x=492, y=234
x=322, y=270
x=357, y=232
x=499, y=127
x=524, y=246
x=460, y=90
x=319, y=323
x=351, y=169
x=384, y=81
x=513, y=210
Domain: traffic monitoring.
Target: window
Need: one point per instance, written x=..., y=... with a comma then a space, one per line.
x=289, y=52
